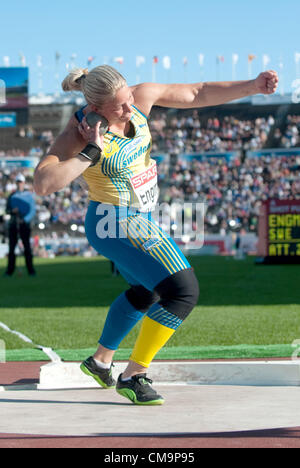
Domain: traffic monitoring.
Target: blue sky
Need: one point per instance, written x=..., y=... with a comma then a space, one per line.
x=130, y=28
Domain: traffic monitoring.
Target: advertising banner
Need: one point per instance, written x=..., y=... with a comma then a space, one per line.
x=19, y=162
x=14, y=87
x=8, y=120
x=229, y=155
x=279, y=231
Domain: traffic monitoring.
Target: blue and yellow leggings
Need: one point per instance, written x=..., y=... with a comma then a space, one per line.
x=163, y=287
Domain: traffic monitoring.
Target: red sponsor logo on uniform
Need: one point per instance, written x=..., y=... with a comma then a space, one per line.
x=144, y=177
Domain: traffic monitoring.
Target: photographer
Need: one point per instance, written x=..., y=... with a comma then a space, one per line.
x=21, y=207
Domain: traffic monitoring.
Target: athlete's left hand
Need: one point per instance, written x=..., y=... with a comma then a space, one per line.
x=266, y=82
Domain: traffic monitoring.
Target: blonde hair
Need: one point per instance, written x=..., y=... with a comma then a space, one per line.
x=98, y=85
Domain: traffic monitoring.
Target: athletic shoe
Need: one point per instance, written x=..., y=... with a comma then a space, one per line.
x=102, y=376
x=138, y=390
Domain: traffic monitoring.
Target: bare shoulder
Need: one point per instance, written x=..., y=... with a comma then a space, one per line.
x=176, y=95
x=146, y=95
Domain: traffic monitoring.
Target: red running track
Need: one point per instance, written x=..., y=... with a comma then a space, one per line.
x=20, y=373
x=273, y=438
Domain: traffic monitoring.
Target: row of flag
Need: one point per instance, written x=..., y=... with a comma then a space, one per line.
x=140, y=60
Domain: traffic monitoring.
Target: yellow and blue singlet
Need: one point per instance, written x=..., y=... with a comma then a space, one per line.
x=144, y=254
x=119, y=230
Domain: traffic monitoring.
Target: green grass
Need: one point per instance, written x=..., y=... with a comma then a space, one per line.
x=65, y=305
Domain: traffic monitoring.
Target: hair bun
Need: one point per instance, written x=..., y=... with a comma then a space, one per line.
x=73, y=81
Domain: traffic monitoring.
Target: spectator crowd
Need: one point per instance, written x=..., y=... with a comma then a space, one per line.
x=186, y=134
x=233, y=191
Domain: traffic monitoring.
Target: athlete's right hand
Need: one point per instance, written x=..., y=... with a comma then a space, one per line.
x=91, y=134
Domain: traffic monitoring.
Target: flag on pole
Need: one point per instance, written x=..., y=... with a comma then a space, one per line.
x=297, y=57
x=22, y=59
x=166, y=61
x=139, y=60
x=251, y=57
x=220, y=59
x=39, y=64
x=281, y=75
x=90, y=60
x=235, y=59
x=201, y=59
x=297, y=62
x=201, y=63
x=154, y=63
x=6, y=61
x=39, y=61
x=119, y=60
x=185, y=63
x=73, y=58
x=266, y=59
x=56, y=75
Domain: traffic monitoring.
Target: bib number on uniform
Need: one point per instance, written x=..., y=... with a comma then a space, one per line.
x=145, y=188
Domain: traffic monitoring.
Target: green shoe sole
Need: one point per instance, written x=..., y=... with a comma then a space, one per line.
x=127, y=393
x=95, y=377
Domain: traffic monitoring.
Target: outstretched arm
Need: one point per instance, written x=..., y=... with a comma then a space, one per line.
x=185, y=96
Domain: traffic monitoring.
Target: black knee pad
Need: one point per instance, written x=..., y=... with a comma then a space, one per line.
x=141, y=298
x=179, y=293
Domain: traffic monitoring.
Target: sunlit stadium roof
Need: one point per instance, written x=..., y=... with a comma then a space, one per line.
x=46, y=99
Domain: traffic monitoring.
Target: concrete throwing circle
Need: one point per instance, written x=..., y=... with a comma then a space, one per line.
x=189, y=409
